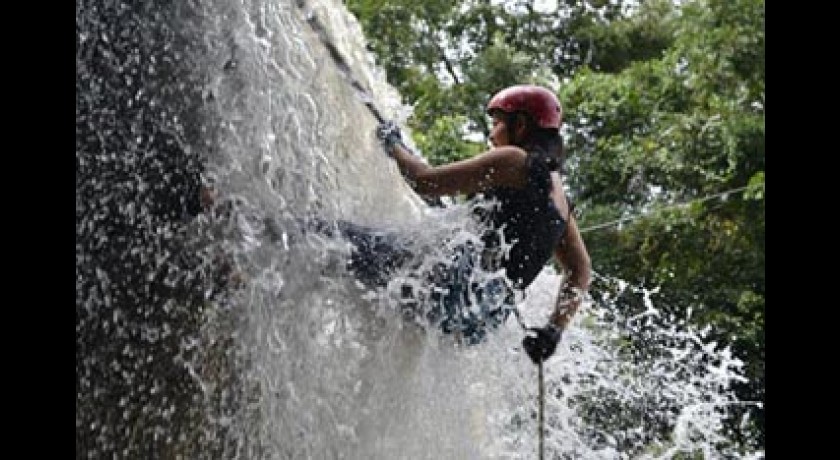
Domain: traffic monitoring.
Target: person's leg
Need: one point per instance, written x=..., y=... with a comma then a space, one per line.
x=465, y=303
x=376, y=253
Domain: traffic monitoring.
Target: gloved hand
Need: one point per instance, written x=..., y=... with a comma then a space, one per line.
x=389, y=135
x=540, y=342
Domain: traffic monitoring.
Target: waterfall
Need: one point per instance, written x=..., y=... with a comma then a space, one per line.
x=209, y=325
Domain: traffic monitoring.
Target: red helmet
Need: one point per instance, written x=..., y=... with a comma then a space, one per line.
x=536, y=101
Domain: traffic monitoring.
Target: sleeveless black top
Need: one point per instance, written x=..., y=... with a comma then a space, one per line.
x=528, y=221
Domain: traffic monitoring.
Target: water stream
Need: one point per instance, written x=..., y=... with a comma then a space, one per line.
x=210, y=326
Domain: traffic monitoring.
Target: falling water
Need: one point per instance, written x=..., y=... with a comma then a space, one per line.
x=209, y=325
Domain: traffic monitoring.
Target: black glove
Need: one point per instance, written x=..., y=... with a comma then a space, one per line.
x=389, y=136
x=540, y=342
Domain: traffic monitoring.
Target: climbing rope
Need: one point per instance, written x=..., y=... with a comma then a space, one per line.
x=540, y=394
x=541, y=409
x=678, y=205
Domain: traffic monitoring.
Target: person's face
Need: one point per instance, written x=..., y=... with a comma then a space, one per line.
x=499, y=130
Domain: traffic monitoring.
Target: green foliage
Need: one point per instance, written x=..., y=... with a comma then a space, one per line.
x=678, y=130
x=755, y=187
x=444, y=141
x=610, y=45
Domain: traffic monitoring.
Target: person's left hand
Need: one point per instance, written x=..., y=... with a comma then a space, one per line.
x=540, y=342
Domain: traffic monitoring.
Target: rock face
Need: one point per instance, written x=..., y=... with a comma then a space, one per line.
x=186, y=113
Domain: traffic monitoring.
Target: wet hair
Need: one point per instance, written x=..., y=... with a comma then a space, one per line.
x=547, y=143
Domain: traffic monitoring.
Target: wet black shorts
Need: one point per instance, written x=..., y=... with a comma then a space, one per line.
x=455, y=296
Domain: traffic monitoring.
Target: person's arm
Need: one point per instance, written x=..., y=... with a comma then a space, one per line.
x=540, y=343
x=573, y=257
x=577, y=267
x=501, y=166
